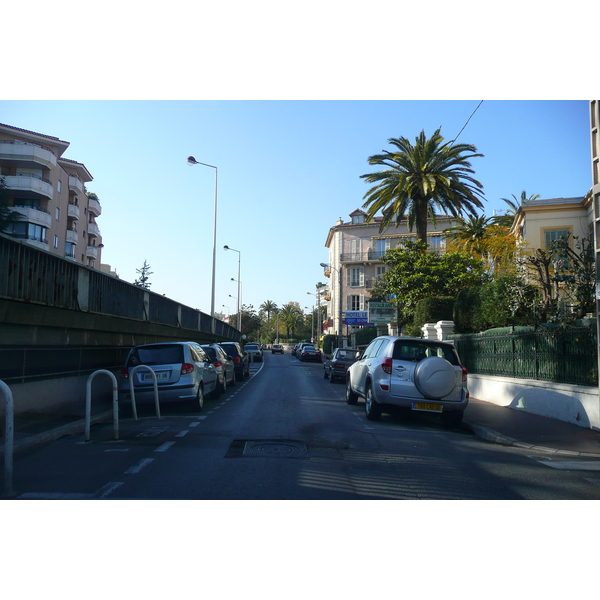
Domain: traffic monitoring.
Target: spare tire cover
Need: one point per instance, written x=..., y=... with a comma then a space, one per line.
x=435, y=377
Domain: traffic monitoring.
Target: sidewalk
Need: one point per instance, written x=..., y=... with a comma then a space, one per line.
x=488, y=421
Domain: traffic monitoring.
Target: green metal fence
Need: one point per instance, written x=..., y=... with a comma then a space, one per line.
x=560, y=355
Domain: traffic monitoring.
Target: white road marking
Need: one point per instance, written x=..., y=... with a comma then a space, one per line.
x=137, y=468
x=164, y=447
x=109, y=488
x=182, y=433
x=194, y=424
x=570, y=465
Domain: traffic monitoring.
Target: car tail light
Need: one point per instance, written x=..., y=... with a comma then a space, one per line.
x=386, y=365
x=464, y=371
x=217, y=363
x=125, y=373
x=237, y=359
x=186, y=368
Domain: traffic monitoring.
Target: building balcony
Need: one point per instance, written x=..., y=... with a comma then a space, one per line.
x=362, y=257
x=92, y=252
x=30, y=183
x=93, y=230
x=75, y=184
x=27, y=156
x=72, y=236
x=34, y=215
x=94, y=207
x=73, y=211
x=71, y=257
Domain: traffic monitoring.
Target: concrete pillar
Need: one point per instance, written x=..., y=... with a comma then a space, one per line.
x=444, y=329
x=429, y=331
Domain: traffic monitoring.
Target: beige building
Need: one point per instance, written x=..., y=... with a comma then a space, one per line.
x=356, y=250
x=49, y=191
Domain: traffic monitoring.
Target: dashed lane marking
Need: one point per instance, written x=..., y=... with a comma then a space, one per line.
x=164, y=447
x=137, y=468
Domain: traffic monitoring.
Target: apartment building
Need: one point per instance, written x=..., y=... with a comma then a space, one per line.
x=356, y=250
x=49, y=192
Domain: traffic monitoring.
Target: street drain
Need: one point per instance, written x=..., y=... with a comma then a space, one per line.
x=275, y=449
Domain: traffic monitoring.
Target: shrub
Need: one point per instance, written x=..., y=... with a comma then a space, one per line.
x=434, y=309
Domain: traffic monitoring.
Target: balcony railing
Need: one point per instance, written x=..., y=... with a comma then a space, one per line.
x=75, y=183
x=38, y=216
x=92, y=252
x=94, y=207
x=30, y=182
x=22, y=151
x=93, y=230
x=73, y=211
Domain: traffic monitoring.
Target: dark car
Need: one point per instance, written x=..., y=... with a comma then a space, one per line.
x=310, y=353
x=338, y=364
x=241, y=364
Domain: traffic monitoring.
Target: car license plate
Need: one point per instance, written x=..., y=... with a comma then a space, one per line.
x=426, y=406
x=148, y=376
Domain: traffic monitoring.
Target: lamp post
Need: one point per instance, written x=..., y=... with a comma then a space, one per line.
x=319, y=324
x=192, y=161
x=239, y=279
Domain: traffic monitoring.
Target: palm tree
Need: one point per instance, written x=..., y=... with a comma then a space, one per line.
x=507, y=219
x=469, y=234
x=269, y=307
x=290, y=315
x=420, y=178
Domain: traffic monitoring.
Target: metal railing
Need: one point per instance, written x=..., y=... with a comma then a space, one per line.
x=559, y=355
x=9, y=439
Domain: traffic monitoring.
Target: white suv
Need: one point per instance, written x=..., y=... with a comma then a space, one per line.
x=424, y=375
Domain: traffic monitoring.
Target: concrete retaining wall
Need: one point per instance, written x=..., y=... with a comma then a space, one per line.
x=575, y=404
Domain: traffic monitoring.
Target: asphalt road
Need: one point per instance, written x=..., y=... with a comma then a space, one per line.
x=288, y=434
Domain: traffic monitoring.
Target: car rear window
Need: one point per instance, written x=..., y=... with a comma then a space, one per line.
x=348, y=354
x=157, y=355
x=231, y=349
x=416, y=351
x=212, y=352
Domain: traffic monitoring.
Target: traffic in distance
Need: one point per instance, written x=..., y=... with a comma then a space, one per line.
x=414, y=373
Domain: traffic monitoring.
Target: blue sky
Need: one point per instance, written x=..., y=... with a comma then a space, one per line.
x=287, y=171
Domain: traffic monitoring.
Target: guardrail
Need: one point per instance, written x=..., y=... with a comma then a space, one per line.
x=9, y=439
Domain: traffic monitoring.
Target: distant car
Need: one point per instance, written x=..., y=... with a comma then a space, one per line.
x=424, y=375
x=183, y=370
x=222, y=363
x=277, y=348
x=241, y=364
x=298, y=348
x=310, y=353
x=254, y=351
x=336, y=366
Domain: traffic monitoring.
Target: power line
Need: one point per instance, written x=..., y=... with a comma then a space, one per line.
x=480, y=103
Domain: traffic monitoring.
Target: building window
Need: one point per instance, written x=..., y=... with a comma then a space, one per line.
x=355, y=277
x=59, y=186
x=552, y=235
x=380, y=270
x=355, y=302
x=56, y=241
x=27, y=231
x=70, y=249
x=358, y=219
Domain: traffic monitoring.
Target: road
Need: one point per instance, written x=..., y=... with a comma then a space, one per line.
x=287, y=433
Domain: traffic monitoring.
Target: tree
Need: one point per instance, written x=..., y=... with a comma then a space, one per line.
x=7, y=215
x=414, y=274
x=507, y=219
x=482, y=237
x=291, y=318
x=142, y=280
x=420, y=179
x=268, y=306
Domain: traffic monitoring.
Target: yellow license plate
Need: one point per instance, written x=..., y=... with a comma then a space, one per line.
x=427, y=407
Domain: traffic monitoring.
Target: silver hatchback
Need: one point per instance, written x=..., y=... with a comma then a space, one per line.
x=423, y=375
x=183, y=370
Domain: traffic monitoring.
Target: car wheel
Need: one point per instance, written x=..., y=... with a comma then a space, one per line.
x=351, y=397
x=452, y=418
x=372, y=409
x=198, y=403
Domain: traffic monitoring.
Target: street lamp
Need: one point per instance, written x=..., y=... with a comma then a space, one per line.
x=239, y=279
x=192, y=161
x=319, y=323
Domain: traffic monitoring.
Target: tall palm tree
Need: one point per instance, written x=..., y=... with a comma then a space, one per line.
x=290, y=315
x=507, y=219
x=269, y=307
x=420, y=179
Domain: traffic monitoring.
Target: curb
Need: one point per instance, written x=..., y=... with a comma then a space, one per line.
x=490, y=435
x=53, y=434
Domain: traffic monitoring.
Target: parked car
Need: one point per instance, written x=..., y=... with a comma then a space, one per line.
x=310, y=353
x=239, y=357
x=183, y=370
x=338, y=364
x=222, y=363
x=254, y=351
x=277, y=349
x=420, y=374
x=298, y=348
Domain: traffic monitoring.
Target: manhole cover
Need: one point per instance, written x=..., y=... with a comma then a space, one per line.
x=276, y=449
